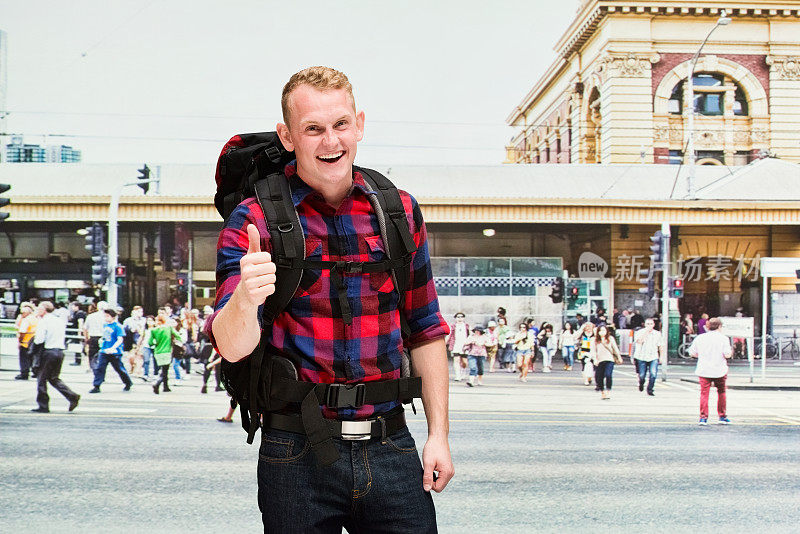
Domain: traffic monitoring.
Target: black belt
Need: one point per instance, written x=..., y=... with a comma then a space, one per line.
x=346, y=430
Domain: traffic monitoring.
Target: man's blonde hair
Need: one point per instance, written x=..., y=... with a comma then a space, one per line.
x=322, y=78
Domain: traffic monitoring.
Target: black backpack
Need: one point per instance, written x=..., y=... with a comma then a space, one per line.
x=253, y=165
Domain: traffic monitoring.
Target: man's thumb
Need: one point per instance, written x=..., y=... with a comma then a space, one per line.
x=255, y=239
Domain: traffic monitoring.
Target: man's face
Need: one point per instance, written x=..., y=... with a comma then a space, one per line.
x=649, y=325
x=323, y=131
x=40, y=310
x=108, y=318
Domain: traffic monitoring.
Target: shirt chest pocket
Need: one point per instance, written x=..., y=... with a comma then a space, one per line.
x=380, y=281
x=311, y=280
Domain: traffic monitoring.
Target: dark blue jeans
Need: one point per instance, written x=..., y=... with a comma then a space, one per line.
x=642, y=368
x=115, y=360
x=374, y=486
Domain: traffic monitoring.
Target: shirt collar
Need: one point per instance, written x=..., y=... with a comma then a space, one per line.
x=300, y=189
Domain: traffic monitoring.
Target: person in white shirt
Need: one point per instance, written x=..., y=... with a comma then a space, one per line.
x=50, y=333
x=649, y=347
x=93, y=331
x=712, y=351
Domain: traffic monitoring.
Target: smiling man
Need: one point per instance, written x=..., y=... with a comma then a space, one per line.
x=338, y=330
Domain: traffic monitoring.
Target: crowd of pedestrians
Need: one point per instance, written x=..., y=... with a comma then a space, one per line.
x=153, y=349
x=163, y=347
x=529, y=348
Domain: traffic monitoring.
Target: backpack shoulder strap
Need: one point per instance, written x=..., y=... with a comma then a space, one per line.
x=397, y=234
x=400, y=242
x=288, y=243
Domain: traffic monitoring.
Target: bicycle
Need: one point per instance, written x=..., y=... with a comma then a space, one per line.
x=790, y=346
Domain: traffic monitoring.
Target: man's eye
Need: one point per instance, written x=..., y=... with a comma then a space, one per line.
x=312, y=129
x=341, y=123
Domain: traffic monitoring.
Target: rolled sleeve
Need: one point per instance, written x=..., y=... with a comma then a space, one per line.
x=421, y=306
x=232, y=244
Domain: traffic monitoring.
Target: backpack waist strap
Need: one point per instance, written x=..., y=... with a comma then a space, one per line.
x=311, y=396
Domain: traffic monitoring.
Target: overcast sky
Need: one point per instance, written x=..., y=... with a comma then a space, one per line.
x=168, y=81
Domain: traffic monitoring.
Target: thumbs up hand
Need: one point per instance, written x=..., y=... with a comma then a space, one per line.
x=257, y=271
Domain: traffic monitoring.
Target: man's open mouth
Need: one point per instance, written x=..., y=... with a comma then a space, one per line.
x=332, y=157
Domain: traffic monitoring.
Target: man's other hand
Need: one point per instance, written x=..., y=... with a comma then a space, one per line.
x=436, y=457
x=257, y=271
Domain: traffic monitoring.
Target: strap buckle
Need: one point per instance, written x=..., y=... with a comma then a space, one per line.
x=345, y=395
x=356, y=430
x=352, y=267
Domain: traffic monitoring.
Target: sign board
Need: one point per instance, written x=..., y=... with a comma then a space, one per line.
x=784, y=267
x=738, y=326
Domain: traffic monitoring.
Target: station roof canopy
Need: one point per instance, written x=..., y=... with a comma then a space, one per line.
x=764, y=180
x=444, y=192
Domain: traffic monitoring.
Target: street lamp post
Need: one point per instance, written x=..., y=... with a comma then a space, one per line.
x=113, y=250
x=723, y=20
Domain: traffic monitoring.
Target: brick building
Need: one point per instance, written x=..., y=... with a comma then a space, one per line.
x=617, y=91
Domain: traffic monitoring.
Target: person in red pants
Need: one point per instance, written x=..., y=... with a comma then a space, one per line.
x=712, y=350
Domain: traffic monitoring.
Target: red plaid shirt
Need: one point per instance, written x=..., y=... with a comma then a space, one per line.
x=311, y=328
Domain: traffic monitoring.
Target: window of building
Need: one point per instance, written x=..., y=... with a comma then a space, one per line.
x=740, y=102
x=710, y=157
x=709, y=103
x=675, y=104
x=675, y=157
x=709, y=96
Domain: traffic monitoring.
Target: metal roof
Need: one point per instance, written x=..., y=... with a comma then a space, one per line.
x=765, y=180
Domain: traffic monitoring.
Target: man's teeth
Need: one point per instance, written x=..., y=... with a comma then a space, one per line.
x=331, y=156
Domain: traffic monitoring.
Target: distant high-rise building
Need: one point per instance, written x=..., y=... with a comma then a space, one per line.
x=63, y=154
x=19, y=152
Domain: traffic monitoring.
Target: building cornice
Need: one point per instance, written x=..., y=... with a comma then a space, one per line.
x=593, y=12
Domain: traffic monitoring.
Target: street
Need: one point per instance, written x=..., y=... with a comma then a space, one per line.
x=546, y=456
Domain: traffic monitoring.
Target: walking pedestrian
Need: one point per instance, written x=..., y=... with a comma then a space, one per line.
x=649, y=348
x=459, y=332
x=524, y=341
x=566, y=343
x=51, y=335
x=605, y=354
x=110, y=353
x=146, y=350
x=162, y=340
x=76, y=319
x=475, y=349
x=505, y=350
x=26, y=330
x=133, y=327
x=492, y=345
x=548, y=342
x=585, y=342
x=712, y=350
x=93, y=329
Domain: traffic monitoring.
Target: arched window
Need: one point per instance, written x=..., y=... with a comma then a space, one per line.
x=710, y=92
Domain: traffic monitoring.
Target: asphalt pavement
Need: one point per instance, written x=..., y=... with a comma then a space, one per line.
x=545, y=456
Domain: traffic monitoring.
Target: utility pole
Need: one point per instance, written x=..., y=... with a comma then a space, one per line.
x=113, y=223
x=666, y=269
x=723, y=20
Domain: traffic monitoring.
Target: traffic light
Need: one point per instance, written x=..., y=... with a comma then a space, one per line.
x=573, y=292
x=182, y=283
x=119, y=275
x=177, y=259
x=557, y=295
x=650, y=287
x=4, y=201
x=144, y=174
x=658, y=256
x=676, y=288
x=96, y=248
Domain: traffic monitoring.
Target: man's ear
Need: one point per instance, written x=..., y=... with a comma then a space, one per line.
x=285, y=136
x=360, y=125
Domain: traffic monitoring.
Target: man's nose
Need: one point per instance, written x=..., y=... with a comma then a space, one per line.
x=329, y=137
